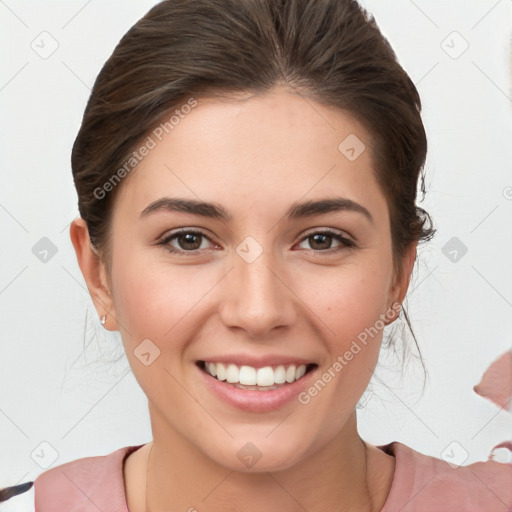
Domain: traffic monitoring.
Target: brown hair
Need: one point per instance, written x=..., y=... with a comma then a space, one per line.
x=330, y=50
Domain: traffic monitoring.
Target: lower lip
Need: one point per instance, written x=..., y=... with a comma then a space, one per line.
x=253, y=400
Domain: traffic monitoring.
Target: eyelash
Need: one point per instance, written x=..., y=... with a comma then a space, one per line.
x=346, y=243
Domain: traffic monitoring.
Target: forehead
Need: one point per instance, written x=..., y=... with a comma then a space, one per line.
x=271, y=149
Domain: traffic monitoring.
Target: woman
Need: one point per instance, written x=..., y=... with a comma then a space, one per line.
x=247, y=175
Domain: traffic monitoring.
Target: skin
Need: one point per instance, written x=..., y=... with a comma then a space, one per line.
x=255, y=155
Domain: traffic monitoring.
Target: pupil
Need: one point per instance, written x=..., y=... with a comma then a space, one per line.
x=189, y=238
x=315, y=237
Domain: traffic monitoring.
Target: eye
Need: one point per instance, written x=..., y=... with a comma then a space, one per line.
x=189, y=241
x=322, y=238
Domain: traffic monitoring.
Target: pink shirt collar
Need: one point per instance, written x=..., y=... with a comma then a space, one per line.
x=421, y=483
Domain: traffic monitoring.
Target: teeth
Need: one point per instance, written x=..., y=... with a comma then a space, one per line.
x=300, y=371
x=265, y=376
x=280, y=375
x=212, y=368
x=221, y=371
x=232, y=373
x=249, y=376
x=290, y=373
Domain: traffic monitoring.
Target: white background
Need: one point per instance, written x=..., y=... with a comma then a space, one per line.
x=59, y=381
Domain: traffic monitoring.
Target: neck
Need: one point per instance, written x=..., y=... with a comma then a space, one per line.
x=335, y=477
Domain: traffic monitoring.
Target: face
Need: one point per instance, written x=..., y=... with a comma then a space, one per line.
x=257, y=288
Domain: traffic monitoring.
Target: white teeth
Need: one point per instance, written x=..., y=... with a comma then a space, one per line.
x=221, y=371
x=299, y=372
x=280, y=375
x=265, y=376
x=290, y=373
x=249, y=376
x=232, y=373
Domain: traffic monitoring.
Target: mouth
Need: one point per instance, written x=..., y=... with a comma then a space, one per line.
x=266, y=378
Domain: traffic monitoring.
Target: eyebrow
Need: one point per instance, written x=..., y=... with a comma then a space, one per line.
x=216, y=211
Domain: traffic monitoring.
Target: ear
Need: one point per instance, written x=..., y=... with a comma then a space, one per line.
x=93, y=270
x=401, y=280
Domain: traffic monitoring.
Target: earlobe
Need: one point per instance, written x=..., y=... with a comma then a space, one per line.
x=401, y=283
x=392, y=312
x=93, y=270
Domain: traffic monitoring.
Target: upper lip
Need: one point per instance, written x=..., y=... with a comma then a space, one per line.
x=257, y=362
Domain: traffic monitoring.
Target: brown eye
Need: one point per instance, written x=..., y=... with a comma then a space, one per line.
x=321, y=241
x=187, y=241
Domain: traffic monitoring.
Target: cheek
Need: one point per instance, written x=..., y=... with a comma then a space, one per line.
x=350, y=301
x=149, y=299
x=351, y=307
x=350, y=310
x=159, y=300
x=154, y=303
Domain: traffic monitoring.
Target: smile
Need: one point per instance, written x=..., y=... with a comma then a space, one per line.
x=247, y=377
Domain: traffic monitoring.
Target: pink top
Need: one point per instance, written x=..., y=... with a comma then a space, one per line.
x=421, y=483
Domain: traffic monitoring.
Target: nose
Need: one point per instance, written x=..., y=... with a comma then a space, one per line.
x=258, y=297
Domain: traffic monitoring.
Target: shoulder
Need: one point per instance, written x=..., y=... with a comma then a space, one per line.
x=423, y=483
x=86, y=484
